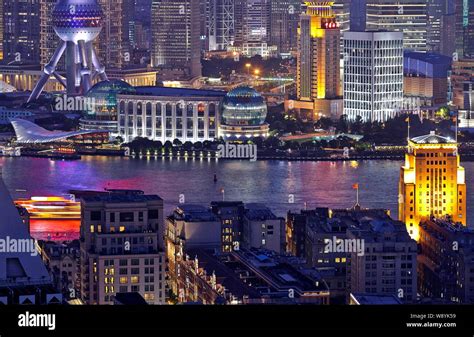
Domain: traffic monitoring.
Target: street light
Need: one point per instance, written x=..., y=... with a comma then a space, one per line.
x=256, y=72
x=248, y=65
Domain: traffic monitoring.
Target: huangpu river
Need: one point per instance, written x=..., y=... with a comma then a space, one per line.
x=281, y=185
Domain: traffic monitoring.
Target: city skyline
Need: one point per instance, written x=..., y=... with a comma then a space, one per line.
x=180, y=156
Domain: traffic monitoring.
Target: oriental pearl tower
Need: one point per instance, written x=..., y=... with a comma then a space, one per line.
x=77, y=23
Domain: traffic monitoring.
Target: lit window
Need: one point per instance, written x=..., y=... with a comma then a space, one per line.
x=123, y=280
x=134, y=279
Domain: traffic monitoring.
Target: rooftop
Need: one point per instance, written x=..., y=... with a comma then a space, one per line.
x=193, y=213
x=371, y=299
x=259, y=212
x=116, y=196
x=180, y=92
x=432, y=138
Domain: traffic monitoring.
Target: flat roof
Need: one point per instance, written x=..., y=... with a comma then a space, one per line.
x=180, y=92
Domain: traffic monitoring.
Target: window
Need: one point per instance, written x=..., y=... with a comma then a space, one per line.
x=126, y=216
x=135, y=279
x=95, y=216
x=153, y=214
x=123, y=280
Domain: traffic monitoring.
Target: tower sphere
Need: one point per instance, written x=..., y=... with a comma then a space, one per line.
x=76, y=20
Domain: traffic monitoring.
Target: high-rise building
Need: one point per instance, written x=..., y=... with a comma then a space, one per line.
x=122, y=246
x=464, y=13
x=446, y=261
x=284, y=19
x=220, y=28
x=176, y=36
x=436, y=9
x=1, y=30
x=448, y=35
x=373, y=75
x=318, y=82
x=21, y=33
x=252, y=28
x=388, y=264
x=114, y=41
x=407, y=16
x=432, y=182
x=49, y=41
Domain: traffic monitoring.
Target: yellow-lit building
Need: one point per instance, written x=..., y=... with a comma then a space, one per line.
x=432, y=182
x=318, y=81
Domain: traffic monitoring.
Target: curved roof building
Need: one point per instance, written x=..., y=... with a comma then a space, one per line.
x=243, y=115
x=28, y=132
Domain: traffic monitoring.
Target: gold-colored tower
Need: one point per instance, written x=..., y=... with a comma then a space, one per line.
x=432, y=182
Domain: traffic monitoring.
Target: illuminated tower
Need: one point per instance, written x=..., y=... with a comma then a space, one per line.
x=318, y=79
x=77, y=23
x=432, y=183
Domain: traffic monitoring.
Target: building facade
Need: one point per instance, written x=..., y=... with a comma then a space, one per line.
x=318, y=80
x=388, y=265
x=176, y=36
x=446, y=262
x=122, y=247
x=432, y=182
x=164, y=114
x=373, y=75
x=21, y=33
x=407, y=16
x=284, y=19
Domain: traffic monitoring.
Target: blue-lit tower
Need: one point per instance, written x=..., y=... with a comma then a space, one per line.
x=77, y=23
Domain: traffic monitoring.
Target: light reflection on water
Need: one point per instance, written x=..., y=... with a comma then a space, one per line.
x=270, y=182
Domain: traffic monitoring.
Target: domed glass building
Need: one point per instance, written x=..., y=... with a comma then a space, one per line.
x=243, y=115
x=102, y=107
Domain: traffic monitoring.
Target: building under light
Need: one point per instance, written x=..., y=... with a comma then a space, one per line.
x=373, y=75
x=432, y=182
x=318, y=82
x=407, y=16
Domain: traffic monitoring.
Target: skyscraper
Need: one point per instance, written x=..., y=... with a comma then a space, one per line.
x=432, y=182
x=318, y=82
x=407, y=16
x=21, y=31
x=221, y=29
x=373, y=75
x=284, y=18
x=114, y=42
x=175, y=35
x=464, y=12
x=49, y=41
x=252, y=24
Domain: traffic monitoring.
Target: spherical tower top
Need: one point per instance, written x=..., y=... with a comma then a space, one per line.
x=76, y=20
x=243, y=106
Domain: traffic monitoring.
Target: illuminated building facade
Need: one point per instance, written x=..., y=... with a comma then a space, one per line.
x=122, y=246
x=318, y=80
x=252, y=24
x=243, y=115
x=462, y=74
x=175, y=36
x=464, y=13
x=373, y=75
x=114, y=43
x=432, y=182
x=161, y=113
x=284, y=20
x=21, y=20
x=407, y=16
x=221, y=26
